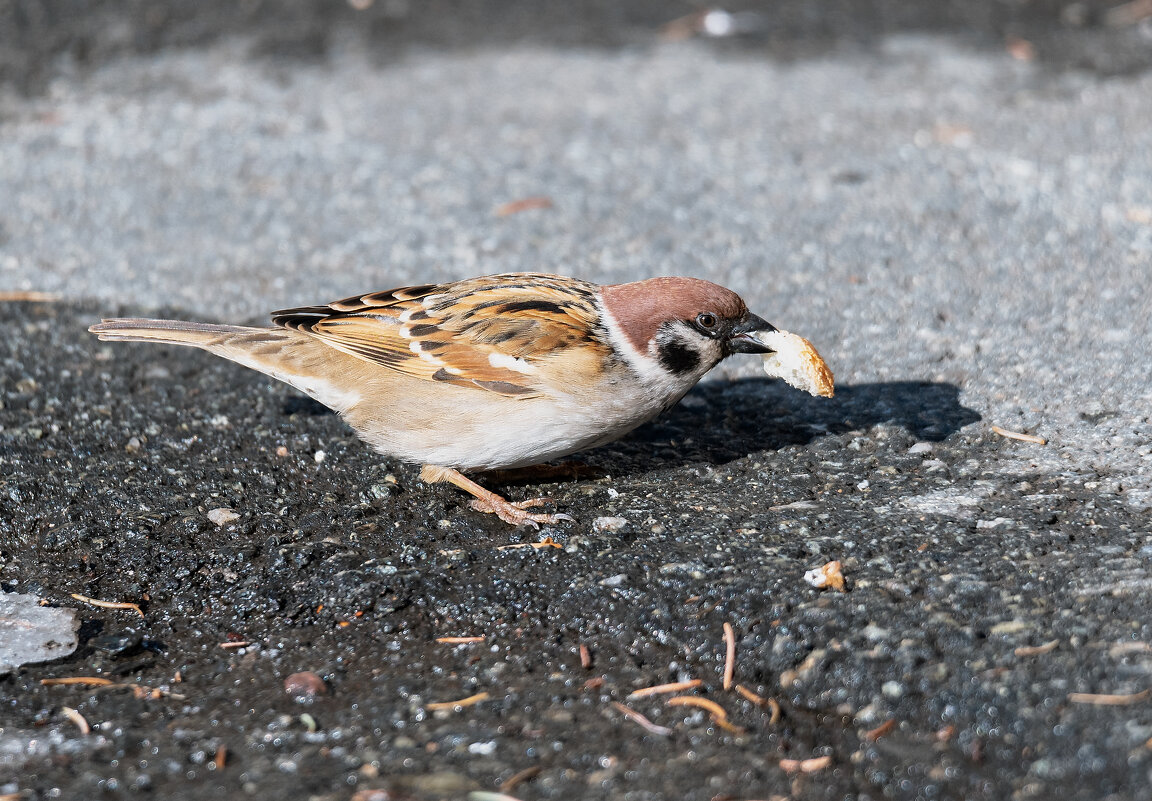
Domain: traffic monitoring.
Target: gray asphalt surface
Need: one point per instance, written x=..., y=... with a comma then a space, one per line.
x=950, y=226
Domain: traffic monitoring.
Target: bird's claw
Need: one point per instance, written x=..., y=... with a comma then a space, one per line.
x=513, y=512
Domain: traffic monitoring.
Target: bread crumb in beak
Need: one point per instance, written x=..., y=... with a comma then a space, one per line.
x=796, y=361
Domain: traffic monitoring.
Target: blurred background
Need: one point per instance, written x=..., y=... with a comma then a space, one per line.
x=38, y=37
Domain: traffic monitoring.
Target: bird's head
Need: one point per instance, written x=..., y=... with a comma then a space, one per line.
x=685, y=325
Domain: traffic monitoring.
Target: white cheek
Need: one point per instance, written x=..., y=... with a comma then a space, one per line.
x=661, y=385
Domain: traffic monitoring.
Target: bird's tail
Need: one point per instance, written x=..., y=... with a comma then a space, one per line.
x=171, y=332
x=289, y=356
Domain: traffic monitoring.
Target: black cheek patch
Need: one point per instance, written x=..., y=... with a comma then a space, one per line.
x=677, y=357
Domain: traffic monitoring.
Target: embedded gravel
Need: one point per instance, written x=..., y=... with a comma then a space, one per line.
x=966, y=237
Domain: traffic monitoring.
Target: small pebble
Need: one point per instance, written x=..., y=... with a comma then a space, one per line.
x=116, y=644
x=609, y=524
x=305, y=685
x=223, y=516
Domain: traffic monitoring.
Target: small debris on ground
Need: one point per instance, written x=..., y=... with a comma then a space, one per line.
x=30, y=632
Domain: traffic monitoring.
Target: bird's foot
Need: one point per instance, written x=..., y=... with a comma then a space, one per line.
x=511, y=512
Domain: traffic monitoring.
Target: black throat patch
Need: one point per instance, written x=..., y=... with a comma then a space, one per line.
x=676, y=357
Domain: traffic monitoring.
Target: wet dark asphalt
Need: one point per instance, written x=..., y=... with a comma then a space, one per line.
x=993, y=641
x=916, y=682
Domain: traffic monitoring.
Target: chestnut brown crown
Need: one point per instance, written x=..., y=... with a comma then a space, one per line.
x=642, y=307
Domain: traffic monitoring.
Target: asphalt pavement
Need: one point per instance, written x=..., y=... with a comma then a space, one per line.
x=960, y=221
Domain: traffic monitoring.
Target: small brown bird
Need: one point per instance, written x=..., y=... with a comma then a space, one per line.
x=495, y=372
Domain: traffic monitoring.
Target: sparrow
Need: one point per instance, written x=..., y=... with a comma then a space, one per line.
x=500, y=371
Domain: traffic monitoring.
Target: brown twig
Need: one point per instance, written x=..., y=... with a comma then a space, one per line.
x=585, y=657
x=771, y=703
x=729, y=655
x=221, y=758
x=1004, y=432
x=139, y=690
x=719, y=716
x=1036, y=650
x=237, y=644
x=91, y=681
x=463, y=702
x=458, y=640
x=659, y=689
x=509, y=784
x=547, y=542
x=107, y=604
x=636, y=717
x=805, y=765
x=28, y=296
x=76, y=718
x=525, y=204
x=1099, y=699
x=872, y=735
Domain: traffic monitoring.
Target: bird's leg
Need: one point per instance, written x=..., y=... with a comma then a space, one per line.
x=488, y=501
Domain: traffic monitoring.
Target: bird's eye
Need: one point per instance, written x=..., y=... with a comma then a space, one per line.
x=707, y=320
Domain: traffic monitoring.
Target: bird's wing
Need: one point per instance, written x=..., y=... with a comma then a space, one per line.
x=496, y=333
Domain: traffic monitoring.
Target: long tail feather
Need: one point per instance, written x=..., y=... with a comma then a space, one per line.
x=295, y=358
x=174, y=332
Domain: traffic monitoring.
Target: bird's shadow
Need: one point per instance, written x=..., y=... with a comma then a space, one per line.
x=720, y=421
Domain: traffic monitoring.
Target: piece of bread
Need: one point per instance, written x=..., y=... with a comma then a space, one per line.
x=797, y=362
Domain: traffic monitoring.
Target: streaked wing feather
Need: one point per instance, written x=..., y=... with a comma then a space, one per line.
x=492, y=333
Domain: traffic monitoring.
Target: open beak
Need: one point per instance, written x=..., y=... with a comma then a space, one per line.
x=743, y=339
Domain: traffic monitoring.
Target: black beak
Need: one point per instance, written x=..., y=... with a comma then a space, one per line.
x=741, y=340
